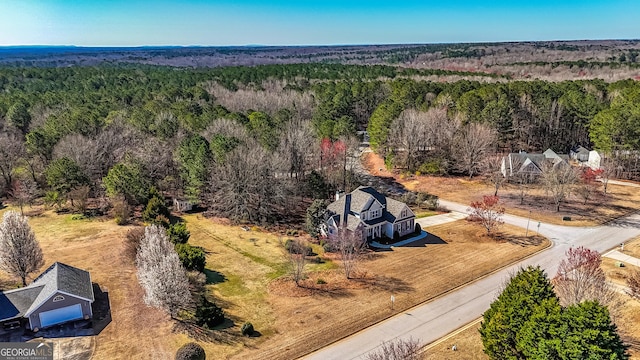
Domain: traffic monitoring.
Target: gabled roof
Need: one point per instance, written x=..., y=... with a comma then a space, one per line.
x=65, y=278
x=580, y=150
x=361, y=196
x=57, y=278
x=15, y=303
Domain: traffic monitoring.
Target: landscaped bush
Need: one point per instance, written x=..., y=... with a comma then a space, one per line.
x=156, y=207
x=192, y=257
x=427, y=200
x=178, y=233
x=191, y=351
x=208, y=314
x=410, y=198
x=247, y=329
x=290, y=246
x=418, y=229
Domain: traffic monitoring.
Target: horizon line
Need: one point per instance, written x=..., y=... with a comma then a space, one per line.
x=307, y=45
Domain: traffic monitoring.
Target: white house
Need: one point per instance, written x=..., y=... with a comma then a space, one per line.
x=531, y=164
x=370, y=212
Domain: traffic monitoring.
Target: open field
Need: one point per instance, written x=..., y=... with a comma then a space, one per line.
x=619, y=200
x=459, y=252
x=245, y=276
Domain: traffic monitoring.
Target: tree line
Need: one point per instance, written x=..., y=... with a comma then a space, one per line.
x=113, y=132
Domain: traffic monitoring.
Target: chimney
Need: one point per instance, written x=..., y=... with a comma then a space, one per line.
x=338, y=194
x=347, y=208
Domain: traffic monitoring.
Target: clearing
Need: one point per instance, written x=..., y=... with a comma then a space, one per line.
x=245, y=276
x=619, y=201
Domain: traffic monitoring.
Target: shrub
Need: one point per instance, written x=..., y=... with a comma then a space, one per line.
x=427, y=200
x=396, y=235
x=178, y=233
x=155, y=207
x=409, y=198
x=633, y=282
x=192, y=257
x=121, y=212
x=208, y=314
x=132, y=242
x=290, y=246
x=53, y=198
x=247, y=329
x=418, y=229
x=191, y=351
x=432, y=167
x=320, y=282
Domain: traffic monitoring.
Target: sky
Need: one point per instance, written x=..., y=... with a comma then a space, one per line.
x=311, y=22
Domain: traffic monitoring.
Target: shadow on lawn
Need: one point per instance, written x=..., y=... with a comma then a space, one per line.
x=531, y=240
x=214, y=277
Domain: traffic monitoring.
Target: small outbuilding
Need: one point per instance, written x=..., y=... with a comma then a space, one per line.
x=61, y=294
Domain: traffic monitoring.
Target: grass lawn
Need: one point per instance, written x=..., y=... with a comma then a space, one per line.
x=467, y=341
x=96, y=246
x=309, y=318
x=619, y=200
x=245, y=276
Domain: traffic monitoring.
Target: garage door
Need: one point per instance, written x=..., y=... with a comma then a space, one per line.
x=57, y=316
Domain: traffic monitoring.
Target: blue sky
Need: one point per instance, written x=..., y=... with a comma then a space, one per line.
x=289, y=22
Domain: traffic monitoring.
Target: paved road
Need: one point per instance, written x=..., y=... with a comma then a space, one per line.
x=435, y=319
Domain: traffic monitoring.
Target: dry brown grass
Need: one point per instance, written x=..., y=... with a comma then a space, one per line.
x=619, y=200
x=467, y=341
x=306, y=323
x=245, y=272
x=632, y=248
x=136, y=331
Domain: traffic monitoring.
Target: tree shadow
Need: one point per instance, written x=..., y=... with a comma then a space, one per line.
x=225, y=336
x=386, y=283
x=531, y=240
x=214, y=277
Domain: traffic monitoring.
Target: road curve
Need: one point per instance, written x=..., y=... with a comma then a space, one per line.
x=432, y=320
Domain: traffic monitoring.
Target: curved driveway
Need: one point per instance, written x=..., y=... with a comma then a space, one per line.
x=432, y=320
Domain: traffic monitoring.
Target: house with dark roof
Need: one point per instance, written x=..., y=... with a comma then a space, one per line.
x=531, y=164
x=61, y=294
x=372, y=214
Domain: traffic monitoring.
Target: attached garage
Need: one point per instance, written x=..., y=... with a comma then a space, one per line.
x=61, y=294
x=58, y=316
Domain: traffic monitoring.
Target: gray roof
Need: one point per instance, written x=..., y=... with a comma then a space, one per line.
x=539, y=160
x=357, y=200
x=15, y=303
x=58, y=277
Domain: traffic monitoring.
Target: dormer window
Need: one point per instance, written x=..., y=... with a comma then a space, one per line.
x=58, y=298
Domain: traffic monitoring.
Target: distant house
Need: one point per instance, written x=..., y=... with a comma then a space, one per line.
x=182, y=205
x=61, y=294
x=367, y=211
x=586, y=157
x=531, y=164
x=579, y=153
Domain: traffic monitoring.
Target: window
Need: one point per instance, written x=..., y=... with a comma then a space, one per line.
x=58, y=298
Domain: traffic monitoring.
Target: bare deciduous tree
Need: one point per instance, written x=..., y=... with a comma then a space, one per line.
x=245, y=187
x=351, y=246
x=296, y=143
x=409, y=136
x=580, y=278
x=160, y=272
x=472, y=145
x=296, y=256
x=20, y=253
x=487, y=212
x=610, y=170
x=492, y=168
x=24, y=191
x=633, y=282
x=398, y=349
x=558, y=181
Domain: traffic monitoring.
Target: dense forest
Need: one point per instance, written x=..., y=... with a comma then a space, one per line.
x=244, y=141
